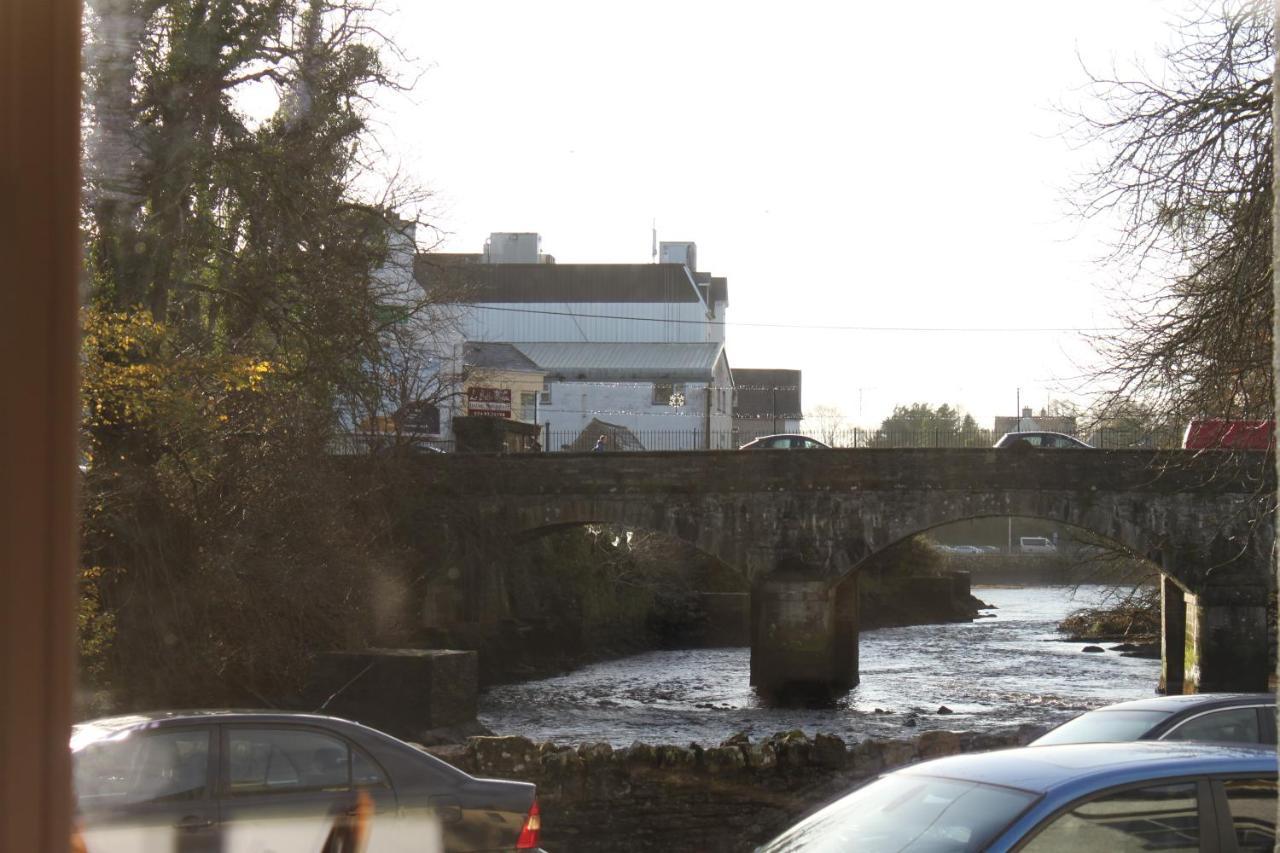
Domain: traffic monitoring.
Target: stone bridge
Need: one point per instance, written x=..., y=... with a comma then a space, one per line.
x=797, y=524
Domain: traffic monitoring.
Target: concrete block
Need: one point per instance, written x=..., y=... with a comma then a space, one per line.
x=401, y=691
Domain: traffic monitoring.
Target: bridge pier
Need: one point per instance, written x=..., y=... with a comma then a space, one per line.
x=1226, y=645
x=1173, y=636
x=804, y=634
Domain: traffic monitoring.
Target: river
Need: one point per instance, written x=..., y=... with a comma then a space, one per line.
x=1008, y=669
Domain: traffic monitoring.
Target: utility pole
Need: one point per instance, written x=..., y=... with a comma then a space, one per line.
x=1018, y=428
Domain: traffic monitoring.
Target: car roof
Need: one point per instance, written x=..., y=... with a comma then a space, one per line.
x=1044, y=769
x=784, y=435
x=1040, y=432
x=104, y=727
x=1192, y=701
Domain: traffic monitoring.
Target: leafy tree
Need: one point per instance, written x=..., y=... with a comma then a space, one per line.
x=1189, y=171
x=236, y=279
x=921, y=425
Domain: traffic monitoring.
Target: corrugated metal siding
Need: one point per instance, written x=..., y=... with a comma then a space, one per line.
x=625, y=322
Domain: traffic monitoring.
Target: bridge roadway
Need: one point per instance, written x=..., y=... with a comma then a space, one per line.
x=798, y=523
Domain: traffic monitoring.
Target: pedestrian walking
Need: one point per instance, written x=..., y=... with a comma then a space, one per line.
x=599, y=448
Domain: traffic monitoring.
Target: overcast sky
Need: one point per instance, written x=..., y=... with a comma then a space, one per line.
x=842, y=164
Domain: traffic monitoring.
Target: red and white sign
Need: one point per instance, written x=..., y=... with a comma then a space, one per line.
x=489, y=402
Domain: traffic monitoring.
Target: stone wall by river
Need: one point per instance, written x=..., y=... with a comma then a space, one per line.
x=730, y=797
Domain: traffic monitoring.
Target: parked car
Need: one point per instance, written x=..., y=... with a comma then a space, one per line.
x=1218, y=434
x=1036, y=545
x=1118, y=797
x=784, y=441
x=1229, y=717
x=963, y=549
x=232, y=781
x=1041, y=439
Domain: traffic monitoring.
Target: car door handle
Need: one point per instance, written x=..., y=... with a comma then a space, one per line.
x=190, y=823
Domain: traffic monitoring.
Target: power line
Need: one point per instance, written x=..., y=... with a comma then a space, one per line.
x=803, y=326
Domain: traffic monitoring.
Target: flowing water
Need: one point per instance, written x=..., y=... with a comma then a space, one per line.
x=1005, y=670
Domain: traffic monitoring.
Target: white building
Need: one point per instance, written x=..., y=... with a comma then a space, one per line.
x=638, y=346
x=669, y=396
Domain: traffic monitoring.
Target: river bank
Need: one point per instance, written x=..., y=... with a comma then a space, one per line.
x=729, y=797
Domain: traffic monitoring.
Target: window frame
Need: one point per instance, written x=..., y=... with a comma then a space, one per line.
x=529, y=405
x=1257, y=716
x=673, y=388
x=1205, y=807
x=212, y=770
x=1222, y=807
x=224, y=790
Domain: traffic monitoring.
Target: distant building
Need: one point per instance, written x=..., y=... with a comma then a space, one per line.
x=1028, y=422
x=640, y=346
x=499, y=381
x=766, y=402
x=670, y=396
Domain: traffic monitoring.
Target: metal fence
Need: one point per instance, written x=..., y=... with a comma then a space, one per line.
x=367, y=444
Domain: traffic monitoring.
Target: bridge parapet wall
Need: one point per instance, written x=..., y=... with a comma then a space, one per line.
x=1194, y=513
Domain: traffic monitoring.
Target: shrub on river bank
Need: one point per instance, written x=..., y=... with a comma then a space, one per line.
x=1134, y=618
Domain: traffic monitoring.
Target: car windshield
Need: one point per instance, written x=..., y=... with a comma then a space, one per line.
x=1106, y=726
x=908, y=813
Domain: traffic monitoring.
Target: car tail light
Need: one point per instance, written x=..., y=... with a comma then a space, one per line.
x=528, y=839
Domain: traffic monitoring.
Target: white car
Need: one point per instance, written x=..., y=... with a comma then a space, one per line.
x=1036, y=545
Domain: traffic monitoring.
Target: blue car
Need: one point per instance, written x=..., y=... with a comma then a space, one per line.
x=1109, y=798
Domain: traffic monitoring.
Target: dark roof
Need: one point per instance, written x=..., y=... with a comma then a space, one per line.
x=766, y=393
x=558, y=282
x=451, y=258
x=497, y=356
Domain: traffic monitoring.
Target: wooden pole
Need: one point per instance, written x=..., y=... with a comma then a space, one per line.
x=39, y=200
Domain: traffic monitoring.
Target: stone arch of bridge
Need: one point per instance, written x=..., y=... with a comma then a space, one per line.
x=1150, y=557
x=561, y=527
x=799, y=549
x=679, y=523
x=1147, y=530
x=835, y=533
